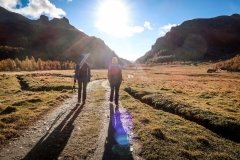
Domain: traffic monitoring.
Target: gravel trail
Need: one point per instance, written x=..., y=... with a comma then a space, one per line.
x=96, y=130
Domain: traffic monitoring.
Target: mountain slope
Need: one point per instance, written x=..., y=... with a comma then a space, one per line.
x=52, y=39
x=198, y=39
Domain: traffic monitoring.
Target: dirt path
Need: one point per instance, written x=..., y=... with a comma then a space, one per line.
x=96, y=130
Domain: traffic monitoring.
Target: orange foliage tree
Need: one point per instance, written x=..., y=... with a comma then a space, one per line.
x=31, y=64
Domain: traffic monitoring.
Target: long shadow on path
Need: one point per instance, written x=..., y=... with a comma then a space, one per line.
x=51, y=145
x=117, y=145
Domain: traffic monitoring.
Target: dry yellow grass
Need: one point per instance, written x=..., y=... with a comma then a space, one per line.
x=189, y=92
x=25, y=96
x=21, y=106
x=214, y=92
x=232, y=64
x=163, y=135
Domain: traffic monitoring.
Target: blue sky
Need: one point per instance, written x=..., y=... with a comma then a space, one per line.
x=129, y=27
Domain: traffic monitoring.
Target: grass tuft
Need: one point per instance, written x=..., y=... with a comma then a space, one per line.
x=10, y=119
x=157, y=132
x=203, y=142
x=2, y=107
x=144, y=120
x=8, y=110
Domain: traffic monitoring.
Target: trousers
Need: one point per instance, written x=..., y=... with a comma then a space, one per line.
x=114, y=92
x=82, y=90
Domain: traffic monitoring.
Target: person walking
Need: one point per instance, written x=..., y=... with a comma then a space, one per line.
x=115, y=79
x=82, y=75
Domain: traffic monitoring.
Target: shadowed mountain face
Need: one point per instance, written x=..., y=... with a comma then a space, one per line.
x=198, y=39
x=52, y=39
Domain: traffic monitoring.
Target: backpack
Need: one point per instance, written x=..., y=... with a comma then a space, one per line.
x=83, y=71
x=114, y=70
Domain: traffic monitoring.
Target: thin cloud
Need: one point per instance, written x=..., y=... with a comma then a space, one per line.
x=34, y=9
x=164, y=29
x=148, y=25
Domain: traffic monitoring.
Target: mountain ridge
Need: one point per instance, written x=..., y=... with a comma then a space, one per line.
x=54, y=39
x=201, y=39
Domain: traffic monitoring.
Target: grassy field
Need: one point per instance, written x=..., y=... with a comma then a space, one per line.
x=169, y=102
x=179, y=111
x=25, y=96
x=162, y=135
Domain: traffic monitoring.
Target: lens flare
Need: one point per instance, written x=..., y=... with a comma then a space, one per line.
x=122, y=124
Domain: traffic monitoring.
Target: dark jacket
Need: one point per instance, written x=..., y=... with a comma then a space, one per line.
x=83, y=74
x=115, y=74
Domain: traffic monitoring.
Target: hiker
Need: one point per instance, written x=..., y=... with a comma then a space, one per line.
x=115, y=79
x=82, y=75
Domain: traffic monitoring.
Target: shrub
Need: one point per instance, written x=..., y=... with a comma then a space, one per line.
x=232, y=64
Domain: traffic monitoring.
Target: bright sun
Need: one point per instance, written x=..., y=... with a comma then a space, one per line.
x=113, y=17
x=113, y=12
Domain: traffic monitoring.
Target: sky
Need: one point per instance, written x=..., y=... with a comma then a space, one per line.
x=128, y=27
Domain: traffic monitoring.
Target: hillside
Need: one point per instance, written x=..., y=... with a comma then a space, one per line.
x=232, y=64
x=198, y=40
x=47, y=39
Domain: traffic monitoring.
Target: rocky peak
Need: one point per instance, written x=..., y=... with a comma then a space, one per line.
x=61, y=22
x=65, y=20
x=54, y=39
x=236, y=15
x=43, y=19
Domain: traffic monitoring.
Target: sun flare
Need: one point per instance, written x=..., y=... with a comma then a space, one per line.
x=113, y=18
x=113, y=13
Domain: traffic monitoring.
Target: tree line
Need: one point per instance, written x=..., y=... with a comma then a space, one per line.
x=31, y=64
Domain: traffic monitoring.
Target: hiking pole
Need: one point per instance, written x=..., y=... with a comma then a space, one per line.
x=74, y=87
x=83, y=60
